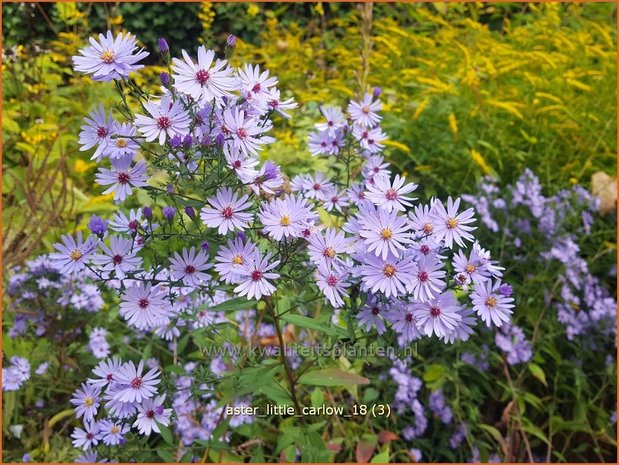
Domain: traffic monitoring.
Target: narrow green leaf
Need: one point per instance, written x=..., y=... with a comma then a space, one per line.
x=331, y=377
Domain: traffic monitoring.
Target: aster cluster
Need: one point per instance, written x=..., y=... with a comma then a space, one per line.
x=15, y=374
x=558, y=224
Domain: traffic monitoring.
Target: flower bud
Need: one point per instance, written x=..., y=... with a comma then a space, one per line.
x=168, y=213
x=164, y=78
x=147, y=212
x=376, y=92
x=191, y=213
x=164, y=49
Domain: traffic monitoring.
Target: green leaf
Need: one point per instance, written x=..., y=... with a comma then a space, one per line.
x=495, y=433
x=538, y=373
x=331, y=377
x=165, y=433
x=240, y=303
x=308, y=323
x=165, y=455
x=317, y=398
x=383, y=457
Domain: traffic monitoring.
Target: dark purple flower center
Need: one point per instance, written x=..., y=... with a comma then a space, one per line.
x=109, y=377
x=391, y=194
x=409, y=317
x=89, y=436
x=256, y=88
x=164, y=122
x=102, y=132
x=332, y=280
x=123, y=178
x=424, y=249
x=330, y=123
x=136, y=383
x=237, y=164
x=435, y=311
x=190, y=269
x=242, y=133
x=143, y=303
x=202, y=76
x=316, y=187
x=375, y=311
x=274, y=103
x=133, y=225
x=227, y=212
x=256, y=275
x=117, y=259
x=423, y=276
x=150, y=413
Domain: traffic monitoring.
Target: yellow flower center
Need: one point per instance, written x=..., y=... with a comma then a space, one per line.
x=491, y=302
x=365, y=109
x=452, y=223
x=285, y=221
x=107, y=56
x=428, y=228
x=386, y=233
x=121, y=143
x=88, y=401
x=237, y=260
x=76, y=255
x=389, y=270
x=114, y=429
x=470, y=268
x=329, y=252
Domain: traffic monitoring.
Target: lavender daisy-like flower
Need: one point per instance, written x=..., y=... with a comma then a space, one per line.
x=287, y=217
x=438, y=316
x=151, y=412
x=142, y=305
x=255, y=275
x=375, y=166
x=316, y=186
x=117, y=408
x=73, y=253
x=118, y=257
x=122, y=177
x=227, y=211
x=97, y=132
x=332, y=283
x=110, y=58
x=167, y=119
x=133, y=386
x=371, y=314
x=86, y=401
x=427, y=282
x=404, y=323
x=128, y=224
x=106, y=372
x=275, y=103
x=335, y=120
x=335, y=200
x=203, y=80
x=87, y=437
x=370, y=139
x=385, y=194
x=88, y=457
x=190, y=267
x=490, y=304
x=422, y=221
x=231, y=258
x=242, y=131
x=122, y=145
x=385, y=232
x=255, y=86
x=364, y=112
x=450, y=226
x=113, y=432
x=268, y=179
x=390, y=276
x=324, y=249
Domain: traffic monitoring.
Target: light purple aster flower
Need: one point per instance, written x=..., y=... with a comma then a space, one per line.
x=385, y=232
x=335, y=200
x=335, y=120
x=151, y=412
x=316, y=186
x=275, y=103
x=438, y=316
x=232, y=257
x=143, y=305
x=133, y=386
x=167, y=119
x=11, y=379
x=42, y=369
x=130, y=225
x=190, y=267
x=490, y=304
x=325, y=248
x=385, y=194
x=451, y=226
x=422, y=221
x=97, y=131
x=97, y=226
x=390, y=276
x=371, y=315
x=464, y=328
x=255, y=86
x=122, y=177
x=332, y=283
x=255, y=275
x=122, y=145
x=106, y=372
x=118, y=408
x=203, y=80
x=86, y=401
x=87, y=437
x=268, y=179
x=243, y=131
x=404, y=323
x=375, y=166
x=73, y=253
x=513, y=342
x=118, y=257
x=364, y=113
x=287, y=217
x=110, y=58
x=439, y=406
x=370, y=139
x=427, y=282
x=113, y=432
x=227, y=211
x=319, y=143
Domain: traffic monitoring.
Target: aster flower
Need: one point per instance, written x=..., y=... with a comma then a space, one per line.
x=438, y=316
x=73, y=253
x=133, y=386
x=384, y=232
x=385, y=194
x=450, y=226
x=11, y=379
x=404, y=323
x=316, y=186
x=118, y=408
x=97, y=226
x=274, y=103
x=268, y=179
x=122, y=144
x=97, y=132
x=364, y=113
x=375, y=166
x=142, y=305
x=255, y=275
x=190, y=267
x=427, y=282
x=335, y=120
x=243, y=166
x=122, y=177
x=332, y=283
x=130, y=225
x=151, y=412
x=490, y=304
x=422, y=221
x=203, y=80
x=88, y=457
x=106, y=372
x=230, y=259
x=334, y=200
x=110, y=58
x=287, y=217
x=167, y=119
x=464, y=328
x=371, y=315
x=86, y=401
x=390, y=276
x=87, y=437
x=370, y=139
x=319, y=143
x=227, y=211
x=255, y=86
x=324, y=249
x=42, y=369
x=244, y=131
x=113, y=432
x=119, y=257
